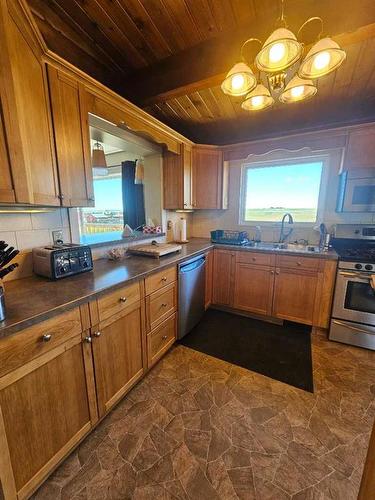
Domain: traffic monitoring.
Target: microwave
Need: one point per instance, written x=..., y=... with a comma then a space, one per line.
x=356, y=191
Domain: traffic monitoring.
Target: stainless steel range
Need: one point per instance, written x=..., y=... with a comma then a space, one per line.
x=353, y=313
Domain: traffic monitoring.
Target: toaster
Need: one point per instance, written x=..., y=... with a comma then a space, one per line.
x=58, y=261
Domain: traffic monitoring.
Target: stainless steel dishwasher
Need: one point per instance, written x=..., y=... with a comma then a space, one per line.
x=191, y=297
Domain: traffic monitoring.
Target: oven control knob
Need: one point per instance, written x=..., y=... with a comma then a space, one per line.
x=368, y=267
x=358, y=266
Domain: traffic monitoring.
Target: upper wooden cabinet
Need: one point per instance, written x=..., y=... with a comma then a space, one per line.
x=209, y=180
x=72, y=139
x=177, y=179
x=7, y=194
x=360, y=150
x=26, y=111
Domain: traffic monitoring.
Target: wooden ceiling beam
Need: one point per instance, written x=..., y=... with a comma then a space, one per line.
x=206, y=64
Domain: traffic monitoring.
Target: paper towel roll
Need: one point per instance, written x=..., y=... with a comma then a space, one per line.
x=182, y=231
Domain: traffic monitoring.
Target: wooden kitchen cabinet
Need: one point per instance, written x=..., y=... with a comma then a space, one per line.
x=177, y=178
x=253, y=288
x=223, y=275
x=7, y=193
x=209, y=179
x=208, y=278
x=294, y=295
x=44, y=413
x=72, y=139
x=360, y=149
x=26, y=109
x=117, y=353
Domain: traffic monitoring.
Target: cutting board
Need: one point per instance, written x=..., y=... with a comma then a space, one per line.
x=155, y=251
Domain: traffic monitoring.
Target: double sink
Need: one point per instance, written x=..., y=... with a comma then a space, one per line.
x=291, y=247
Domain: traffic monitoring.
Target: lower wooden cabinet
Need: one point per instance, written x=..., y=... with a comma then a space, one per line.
x=253, y=288
x=117, y=353
x=161, y=339
x=223, y=267
x=294, y=295
x=44, y=412
x=208, y=279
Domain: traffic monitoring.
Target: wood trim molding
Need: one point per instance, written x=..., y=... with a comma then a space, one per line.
x=7, y=483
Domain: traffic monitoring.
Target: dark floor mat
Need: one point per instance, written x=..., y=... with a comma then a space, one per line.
x=282, y=352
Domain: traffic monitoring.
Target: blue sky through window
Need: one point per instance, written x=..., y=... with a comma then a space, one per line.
x=274, y=190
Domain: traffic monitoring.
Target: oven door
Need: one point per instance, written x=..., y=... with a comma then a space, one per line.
x=359, y=195
x=354, y=297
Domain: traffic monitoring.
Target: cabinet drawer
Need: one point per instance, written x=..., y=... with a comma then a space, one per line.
x=160, y=279
x=26, y=345
x=161, y=339
x=296, y=262
x=160, y=305
x=118, y=300
x=258, y=258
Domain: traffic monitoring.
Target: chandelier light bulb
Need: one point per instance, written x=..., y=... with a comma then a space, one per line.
x=237, y=82
x=257, y=101
x=297, y=91
x=277, y=52
x=321, y=60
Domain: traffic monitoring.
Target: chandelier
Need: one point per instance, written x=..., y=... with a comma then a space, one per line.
x=285, y=73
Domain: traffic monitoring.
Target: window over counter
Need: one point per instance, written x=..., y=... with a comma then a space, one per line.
x=127, y=185
x=271, y=189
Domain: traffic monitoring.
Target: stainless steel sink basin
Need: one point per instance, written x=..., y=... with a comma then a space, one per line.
x=292, y=247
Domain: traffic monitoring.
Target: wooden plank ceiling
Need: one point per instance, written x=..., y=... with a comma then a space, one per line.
x=169, y=57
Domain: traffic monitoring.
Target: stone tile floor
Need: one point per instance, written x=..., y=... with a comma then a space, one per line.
x=200, y=428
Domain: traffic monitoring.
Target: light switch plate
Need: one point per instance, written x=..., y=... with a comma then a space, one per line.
x=57, y=236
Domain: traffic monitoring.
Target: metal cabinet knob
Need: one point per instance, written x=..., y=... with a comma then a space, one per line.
x=96, y=334
x=123, y=299
x=164, y=304
x=88, y=339
x=253, y=259
x=164, y=337
x=91, y=198
x=47, y=337
x=277, y=272
x=272, y=272
x=164, y=278
x=299, y=263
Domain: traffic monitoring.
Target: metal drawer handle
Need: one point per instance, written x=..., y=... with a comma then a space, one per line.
x=164, y=337
x=46, y=337
x=96, y=334
x=123, y=299
x=88, y=339
x=164, y=278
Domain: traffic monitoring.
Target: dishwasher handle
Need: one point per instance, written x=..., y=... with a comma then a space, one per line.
x=196, y=264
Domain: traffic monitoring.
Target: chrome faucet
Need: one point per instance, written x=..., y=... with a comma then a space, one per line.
x=284, y=236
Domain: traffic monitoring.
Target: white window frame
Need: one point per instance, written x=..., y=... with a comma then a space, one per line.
x=286, y=159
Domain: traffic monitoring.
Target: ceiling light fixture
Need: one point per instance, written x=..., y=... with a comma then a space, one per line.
x=98, y=156
x=283, y=74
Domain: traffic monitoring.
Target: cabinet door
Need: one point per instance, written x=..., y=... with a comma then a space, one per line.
x=173, y=181
x=360, y=150
x=28, y=121
x=209, y=273
x=44, y=413
x=70, y=121
x=294, y=295
x=207, y=178
x=117, y=356
x=253, y=288
x=7, y=194
x=222, y=277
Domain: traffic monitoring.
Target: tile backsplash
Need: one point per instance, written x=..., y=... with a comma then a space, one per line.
x=26, y=231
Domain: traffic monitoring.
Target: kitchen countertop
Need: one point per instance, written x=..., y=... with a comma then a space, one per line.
x=31, y=300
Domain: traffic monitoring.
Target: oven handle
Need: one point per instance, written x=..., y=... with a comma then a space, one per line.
x=355, y=275
x=359, y=330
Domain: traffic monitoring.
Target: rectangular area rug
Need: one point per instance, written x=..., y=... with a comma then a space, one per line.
x=281, y=352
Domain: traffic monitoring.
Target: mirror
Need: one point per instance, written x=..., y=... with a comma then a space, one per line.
x=127, y=184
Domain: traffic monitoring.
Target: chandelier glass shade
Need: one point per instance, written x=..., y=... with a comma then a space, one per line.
x=239, y=80
x=280, y=50
x=259, y=98
x=284, y=74
x=323, y=58
x=298, y=90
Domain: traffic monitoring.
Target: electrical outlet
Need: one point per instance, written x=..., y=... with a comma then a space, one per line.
x=57, y=236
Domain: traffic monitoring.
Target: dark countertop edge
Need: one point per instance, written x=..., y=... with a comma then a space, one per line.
x=126, y=240
x=7, y=331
